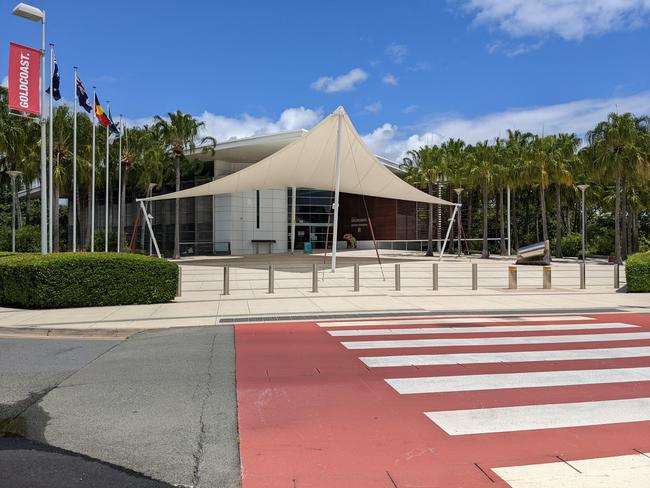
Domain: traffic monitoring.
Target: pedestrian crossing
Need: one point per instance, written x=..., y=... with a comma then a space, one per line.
x=620, y=358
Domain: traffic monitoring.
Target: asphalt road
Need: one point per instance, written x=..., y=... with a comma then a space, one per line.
x=161, y=403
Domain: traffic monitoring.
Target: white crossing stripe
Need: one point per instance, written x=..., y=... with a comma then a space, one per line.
x=468, y=330
x=451, y=320
x=531, y=417
x=630, y=471
x=493, y=341
x=537, y=379
x=505, y=357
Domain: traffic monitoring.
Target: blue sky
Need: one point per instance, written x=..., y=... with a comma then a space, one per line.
x=408, y=73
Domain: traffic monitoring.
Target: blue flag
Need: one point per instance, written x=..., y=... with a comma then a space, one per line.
x=83, y=97
x=56, y=81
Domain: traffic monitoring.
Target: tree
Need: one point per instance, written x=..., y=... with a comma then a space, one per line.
x=562, y=172
x=179, y=134
x=620, y=148
x=481, y=157
x=424, y=167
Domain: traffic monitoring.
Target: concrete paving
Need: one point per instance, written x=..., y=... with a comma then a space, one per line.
x=160, y=403
x=203, y=303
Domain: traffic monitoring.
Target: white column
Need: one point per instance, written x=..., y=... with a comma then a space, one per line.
x=44, y=232
x=74, y=166
x=119, y=190
x=293, y=218
x=108, y=183
x=51, y=164
x=92, y=180
x=339, y=112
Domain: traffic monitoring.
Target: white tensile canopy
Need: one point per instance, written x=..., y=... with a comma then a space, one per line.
x=312, y=162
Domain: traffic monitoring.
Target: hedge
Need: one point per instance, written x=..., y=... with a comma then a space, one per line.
x=85, y=280
x=637, y=272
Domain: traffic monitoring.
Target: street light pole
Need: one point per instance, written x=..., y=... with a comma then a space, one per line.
x=35, y=14
x=12, y=175
x=584, y=229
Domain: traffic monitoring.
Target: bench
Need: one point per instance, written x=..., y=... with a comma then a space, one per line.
x=257, y=243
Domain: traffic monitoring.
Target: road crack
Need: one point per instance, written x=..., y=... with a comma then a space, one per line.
x=199, y=451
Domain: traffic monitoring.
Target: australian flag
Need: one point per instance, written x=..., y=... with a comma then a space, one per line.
x=56, y=81
x=82, y=96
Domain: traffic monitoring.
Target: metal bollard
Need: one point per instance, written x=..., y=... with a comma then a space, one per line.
x=617, y=276
x=583, y=277
x=474, y=276
x=226, y=280
x=271, y=279
x=512, y=277
x=435, y=276
x=179, y=285
x=398, y=278
x=356, y=277
x=546, y=277
x=314, y=278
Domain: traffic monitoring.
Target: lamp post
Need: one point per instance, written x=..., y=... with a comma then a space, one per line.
x=458, y=192
x=582, y=190
x=35, y=15
x=12, y=175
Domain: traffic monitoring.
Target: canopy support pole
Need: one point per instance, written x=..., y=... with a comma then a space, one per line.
x=293, y=218
x=451, y=223
x=146, y=219
x=337, y=188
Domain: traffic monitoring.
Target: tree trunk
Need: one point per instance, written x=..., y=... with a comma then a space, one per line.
x=558, y=223
x=624, y=226
x=542, y=207
x=470, y=218
x=430, y=226
x=515, y=233
x=486, y=252
x=177, y=213
x=122, y=204
x=617, y=221
x=635, y=232
x=55, y=217
x=28, y=198
x=502, y=227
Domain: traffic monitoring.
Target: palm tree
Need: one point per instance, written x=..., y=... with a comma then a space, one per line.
x=562, y=174
x=62, y=153
x=481, y=158
x=620, y=148
x=514, y=175
x=424, y=168
x=179, y=135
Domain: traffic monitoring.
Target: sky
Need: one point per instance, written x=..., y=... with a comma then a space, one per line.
x=407, y=72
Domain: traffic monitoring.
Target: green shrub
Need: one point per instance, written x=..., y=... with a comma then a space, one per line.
x=637, y=272
x=571, y=244
x=85, y=280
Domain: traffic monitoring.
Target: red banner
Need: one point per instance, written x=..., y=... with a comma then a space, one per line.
x=24, y=78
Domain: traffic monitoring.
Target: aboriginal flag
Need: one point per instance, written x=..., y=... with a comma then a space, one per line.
x=103, y=119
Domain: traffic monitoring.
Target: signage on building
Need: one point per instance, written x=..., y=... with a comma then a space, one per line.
x=24, y=79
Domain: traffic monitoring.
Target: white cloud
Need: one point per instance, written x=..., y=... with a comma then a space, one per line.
x=225, y=128
x=373, y=107
x=5, y=82
x=409, y=109
x=568, y=19
x=579, y=117
x=390, y=79
x=346, y=82
x=397, y=52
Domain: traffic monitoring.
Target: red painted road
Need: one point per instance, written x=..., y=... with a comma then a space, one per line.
x=311, y=414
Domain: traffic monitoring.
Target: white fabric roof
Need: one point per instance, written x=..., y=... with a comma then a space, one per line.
x=310, y=162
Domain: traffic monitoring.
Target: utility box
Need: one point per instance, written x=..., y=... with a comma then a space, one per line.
x=307, y=248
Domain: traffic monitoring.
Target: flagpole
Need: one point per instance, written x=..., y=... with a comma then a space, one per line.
x=119, y=189
x=92, y=179
x=51, y=165
x=108, y=104
x=74, y=166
